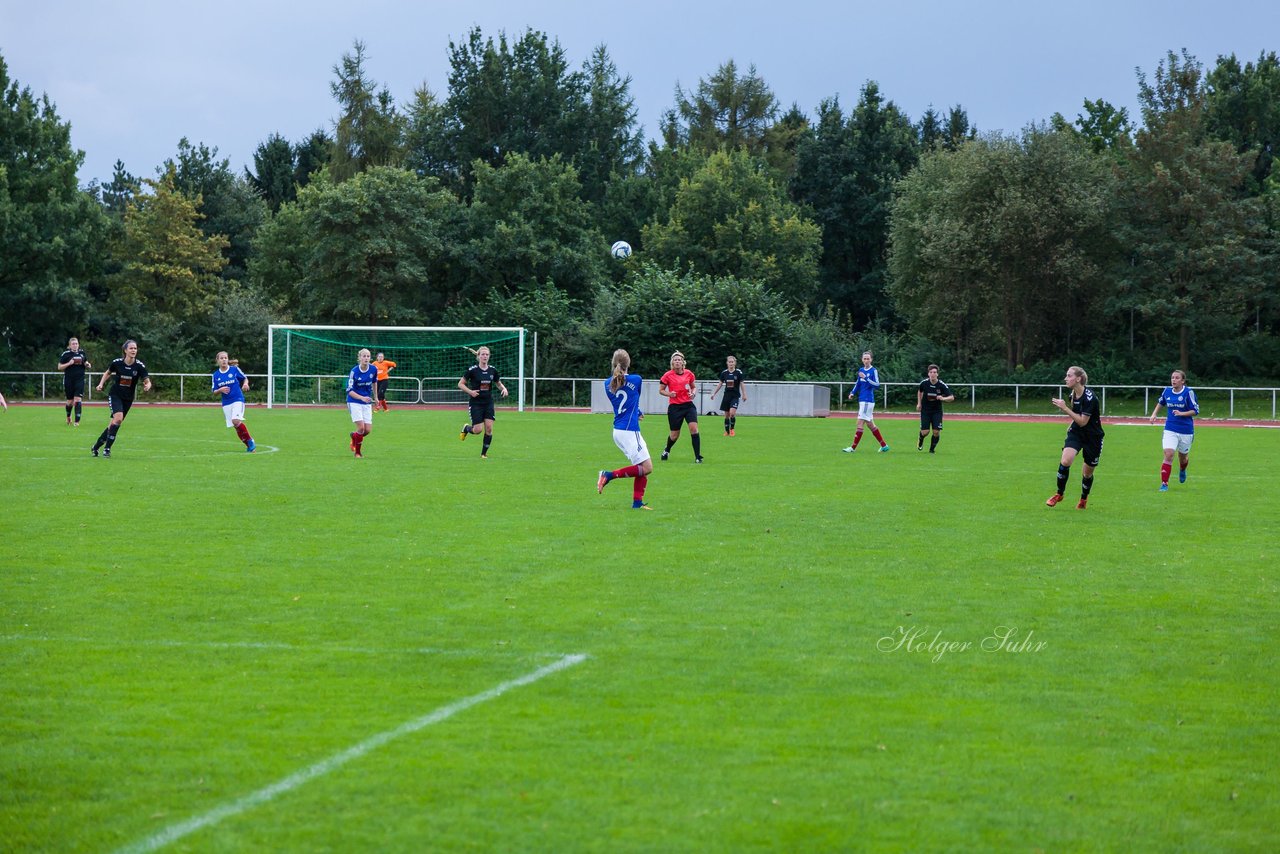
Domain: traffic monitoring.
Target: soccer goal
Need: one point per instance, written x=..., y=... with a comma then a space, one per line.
x=308, y=365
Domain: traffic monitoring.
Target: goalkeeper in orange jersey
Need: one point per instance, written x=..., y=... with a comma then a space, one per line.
x=384, y=366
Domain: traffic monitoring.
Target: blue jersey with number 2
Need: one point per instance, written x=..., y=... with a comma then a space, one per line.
x=626, y=403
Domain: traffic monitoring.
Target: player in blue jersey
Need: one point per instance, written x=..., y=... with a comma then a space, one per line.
x=865, y=391
x=360, y=390
x=1179, y=426
x=230, y=383
x=623, y=391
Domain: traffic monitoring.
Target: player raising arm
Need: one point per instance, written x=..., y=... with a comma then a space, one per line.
x=1084, y=435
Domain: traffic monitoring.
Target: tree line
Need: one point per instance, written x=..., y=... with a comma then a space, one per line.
x=794, y=241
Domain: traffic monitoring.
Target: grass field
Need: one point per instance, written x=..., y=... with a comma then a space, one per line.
x=207, y=650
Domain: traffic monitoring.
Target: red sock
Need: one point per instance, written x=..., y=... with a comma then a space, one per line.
x=243, y=432
x=1164, y=472
x=875, y=431
x=629, y=471
x=637, y=489
x=857, y=437
x=359, y=440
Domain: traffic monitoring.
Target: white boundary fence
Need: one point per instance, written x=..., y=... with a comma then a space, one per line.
x=576, y=392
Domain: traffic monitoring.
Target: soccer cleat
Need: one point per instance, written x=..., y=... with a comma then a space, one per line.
x=884, y=448
x=1164, y=487
x=931, y=450
x=94, y=450
x=665, y=454
x=484, y=456
x=1182, y=475
x=920, y=446
x=106, y=452
x=697, y=459
x=732, y=432
x=849, y=450
x=602, y=481
x=1053, y=500
x=640, y=506
x=1083, y=503
x=466, y=431
x=252, y=444
x=359, y=455
x=727, y=434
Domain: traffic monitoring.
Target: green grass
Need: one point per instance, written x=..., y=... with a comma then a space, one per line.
x=186, y=624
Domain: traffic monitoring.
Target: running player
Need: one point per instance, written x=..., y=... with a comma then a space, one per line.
x=478, y=383
x=930, y=395
x=865, y=391
x=1084, y=436
x=128, y=371
x=360, y=390
x=679, y=385
x=734, y=392
x=230, y=383
x=1179, y=426
x=384, y=366
x=623, y=391
x=73, y=363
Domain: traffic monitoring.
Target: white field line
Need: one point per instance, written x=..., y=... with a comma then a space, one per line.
x=324, y=766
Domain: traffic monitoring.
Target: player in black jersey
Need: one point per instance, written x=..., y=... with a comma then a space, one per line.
x=930, y=395
x=73, y=363
x=478, y=382
x=128, y=372
x=1084, y=436
x=734, y=393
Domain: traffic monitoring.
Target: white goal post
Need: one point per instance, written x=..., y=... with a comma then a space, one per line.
x=308, y=365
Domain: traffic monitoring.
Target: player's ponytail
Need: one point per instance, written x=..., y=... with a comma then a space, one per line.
x=621, y=363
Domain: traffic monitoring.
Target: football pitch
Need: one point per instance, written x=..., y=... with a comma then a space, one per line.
x=796, y=649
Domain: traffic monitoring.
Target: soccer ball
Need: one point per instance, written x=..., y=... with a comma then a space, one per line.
x=621, y=250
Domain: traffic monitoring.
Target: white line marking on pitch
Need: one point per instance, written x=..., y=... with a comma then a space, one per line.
x=324, y=766
x=246, y=645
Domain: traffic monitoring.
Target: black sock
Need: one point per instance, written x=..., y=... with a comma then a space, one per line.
x=68, y=410
x=727, y=427
x=920, y=441
x=670, y=442
x=111, y=435
x=733, y=421
x=488, y=440
x=1064, y=472
x=101, y=439
x=1086, y=484
x=77, y=411
x=696, y=438
x=933, y=442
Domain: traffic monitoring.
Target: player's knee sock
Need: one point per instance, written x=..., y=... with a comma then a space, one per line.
x=670, y=442
x=69, y=413
x=1086, y=484
x=101, y=439
x=637, y=488
x=242, y=430
x=77, y=412
x=488, y=440
x=1165, y=469
x=359, y=440
x=933, y=442
x=629, y=471
x=875, y=431
x=696, y=438
x=111, y=435
x=857, y=437
x=733, y=421
x=920, y=441
x=1064, y=472
x=726, y=424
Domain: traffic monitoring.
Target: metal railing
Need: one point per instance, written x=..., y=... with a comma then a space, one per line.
x=327, y=389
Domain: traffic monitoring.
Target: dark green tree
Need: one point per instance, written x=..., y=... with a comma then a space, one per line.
x=1242, y=106
x=731, y=219
x=228, y=204
x=727, y=110
x=310, y=156
x=1193, y=232
x=52, y=233
x=929, y=130
x=120, y=190
x=610, y=145
x=274, y=166
x=846, y=175
x=369, y=132
x=957, y=131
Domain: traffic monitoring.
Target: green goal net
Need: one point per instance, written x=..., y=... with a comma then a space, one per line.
x=308, y=365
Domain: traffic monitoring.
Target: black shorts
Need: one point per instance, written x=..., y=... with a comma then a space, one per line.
x=729, y=403
x=73, y=388
x=119, y=404
x=481, y=410
x=930, y=418
x=1090, y=452
x=382, y=389
x=679, y=413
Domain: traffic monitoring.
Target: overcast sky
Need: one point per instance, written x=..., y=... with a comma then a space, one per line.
x=133, y=77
